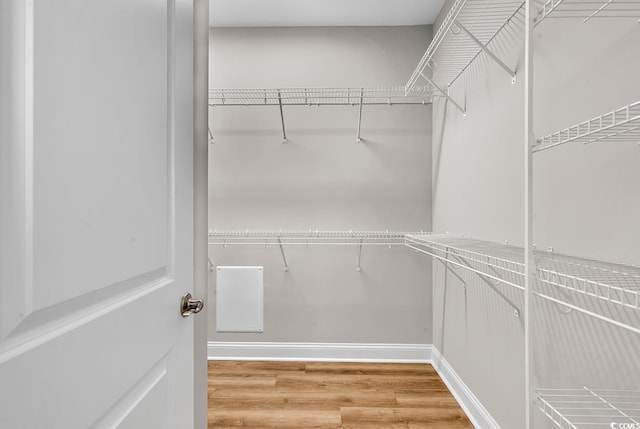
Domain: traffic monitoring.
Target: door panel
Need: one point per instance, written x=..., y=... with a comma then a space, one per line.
x=96, y=183
x=85, y=146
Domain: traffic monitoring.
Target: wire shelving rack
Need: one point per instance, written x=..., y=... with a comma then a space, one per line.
x=304, y=237
x=282, y=97
x=493, y=263
x=590, y=408
x=379, y=95
x=588, y=9
x=307, y=238
x=498, y=262
x=619, y=126
x=466, y=32
x=607, y=291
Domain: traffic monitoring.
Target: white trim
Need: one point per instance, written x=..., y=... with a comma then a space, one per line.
x=470, y=404
x=326, y=352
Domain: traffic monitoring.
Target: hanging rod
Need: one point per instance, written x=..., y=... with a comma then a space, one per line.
x=379, y=95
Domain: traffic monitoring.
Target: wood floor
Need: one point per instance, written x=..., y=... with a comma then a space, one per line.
x=319, y=395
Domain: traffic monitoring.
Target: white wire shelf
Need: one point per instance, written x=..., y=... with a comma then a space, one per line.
x=590, y=408
x=305, y=237
x=466, y=32
x=499, y=262
x=619, y=126
x=494, y=263
x=589, y=9
x=607, y=291
x=281, y=97
x=381, y=95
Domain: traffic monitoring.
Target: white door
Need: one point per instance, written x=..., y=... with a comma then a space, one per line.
x=96, y=230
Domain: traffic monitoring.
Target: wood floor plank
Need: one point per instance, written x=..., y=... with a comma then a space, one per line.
x=283, y=398
x=406, y=383
x=433, y=399
x=369, y=368
x=394, y=415
x=242, y=381
x=441, y=425
x=254, y=367
x=314, y=395
x=374, y=425
x=265, y=418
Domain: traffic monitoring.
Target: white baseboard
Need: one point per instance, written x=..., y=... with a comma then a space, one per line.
x=473, y=408
x=327, y=352
x=356, y=352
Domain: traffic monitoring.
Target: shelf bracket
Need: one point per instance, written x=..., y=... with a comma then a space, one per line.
x=486, y=280
x=358, y=268
x=451, y=270
x=211, y=138
x=444, y=94
x=284, y=132
x=284, y=258
x=358, y=139
x=211, y=267
x=488, y=52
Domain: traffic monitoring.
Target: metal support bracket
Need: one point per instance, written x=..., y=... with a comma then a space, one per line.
x=488, y=52
x=486, y=279
x=358, y=139
x=358, y=268
x=284, y=132
x=284, y=258
x=212, y=140
x=211, y=267
x=444, y=94
x=448, y=267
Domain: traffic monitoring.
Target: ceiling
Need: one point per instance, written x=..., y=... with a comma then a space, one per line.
x=316, y=13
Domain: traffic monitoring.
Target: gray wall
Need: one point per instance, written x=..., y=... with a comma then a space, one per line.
x=587, y=202
x=323, y=180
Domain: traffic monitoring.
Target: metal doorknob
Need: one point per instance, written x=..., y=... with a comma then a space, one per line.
x=189, y=306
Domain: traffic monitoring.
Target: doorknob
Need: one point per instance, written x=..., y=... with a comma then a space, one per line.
x=189, y=306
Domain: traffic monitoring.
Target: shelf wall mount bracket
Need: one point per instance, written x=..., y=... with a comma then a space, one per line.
x=284, y=258
x=212, y=140
x=485, y=278
x=488, y=52
x=448, y=267
x=358, y=267
x=444, y=94
x=358, y=138
x=284, y=131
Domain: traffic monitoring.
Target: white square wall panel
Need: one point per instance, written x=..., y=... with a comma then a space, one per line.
x=239, y=299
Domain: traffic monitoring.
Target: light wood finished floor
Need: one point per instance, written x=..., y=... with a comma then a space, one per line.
x=319, y=395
